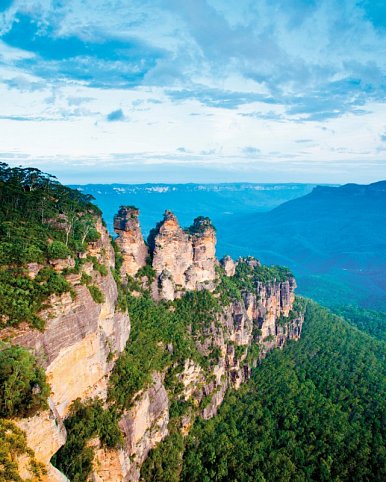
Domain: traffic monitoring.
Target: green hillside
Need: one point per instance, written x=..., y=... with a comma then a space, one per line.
x=313, y=411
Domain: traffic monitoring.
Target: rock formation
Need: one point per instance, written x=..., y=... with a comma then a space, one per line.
x=255, y=321
x=130, y=240
x=143, y=427
x=182, y=259
x=229, y=265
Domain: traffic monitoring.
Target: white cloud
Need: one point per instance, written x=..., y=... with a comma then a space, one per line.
x=236, y=85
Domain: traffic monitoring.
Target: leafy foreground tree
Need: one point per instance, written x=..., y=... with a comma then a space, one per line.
x=313, y=411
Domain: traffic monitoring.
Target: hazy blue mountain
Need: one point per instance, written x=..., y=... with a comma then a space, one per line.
x=220, y=202
x=334, y=239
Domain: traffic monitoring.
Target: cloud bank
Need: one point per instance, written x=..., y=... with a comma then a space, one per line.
x=289, y=87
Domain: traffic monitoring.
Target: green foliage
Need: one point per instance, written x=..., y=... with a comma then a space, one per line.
x=313, y=411
x=247, y=274
x=21, y=298
x=147, y=271
x=92, y=236
x=58, y=250
x=121, y=304
x=369, y=321
x=164, y=463
x=227, y=287
x=118, y=256
x=96, y=294
x=39, y=219
x=14, y=445
x=199, y=225
x=154, y=327
x=17, y=252
x=85, y=279
x=23, y=386
x=86, y=420
x=101, y=268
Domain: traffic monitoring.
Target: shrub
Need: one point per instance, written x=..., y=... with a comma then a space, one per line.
x=58, y=250
x=85, y=279
x=96, y=294
x=23, y=386
x=92, y=236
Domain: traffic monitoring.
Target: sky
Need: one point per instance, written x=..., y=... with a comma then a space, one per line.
x=131, y=91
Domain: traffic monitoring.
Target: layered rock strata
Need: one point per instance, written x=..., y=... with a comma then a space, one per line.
x=77, y=348
x=262, y=320
x=130, y=241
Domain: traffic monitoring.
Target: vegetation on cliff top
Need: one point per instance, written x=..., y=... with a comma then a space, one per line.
x=40, y=220
x=249, y=272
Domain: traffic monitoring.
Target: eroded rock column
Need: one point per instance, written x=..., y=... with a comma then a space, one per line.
x=130, y=240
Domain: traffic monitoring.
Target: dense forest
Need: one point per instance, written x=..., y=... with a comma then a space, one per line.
x=40, y=221
x=313, y=411
x=369, y=321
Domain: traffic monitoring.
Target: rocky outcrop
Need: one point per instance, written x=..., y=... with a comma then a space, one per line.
x=145, y=425
x=182, y=259
x=243, y=333
x=77, y=348
x=130, y=241
x=229, y=265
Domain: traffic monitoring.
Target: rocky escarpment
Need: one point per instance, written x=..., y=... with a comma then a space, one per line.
x=77, y=348
x=143, y=427
x=245, y=310
x=232, y=341
x=256, y=313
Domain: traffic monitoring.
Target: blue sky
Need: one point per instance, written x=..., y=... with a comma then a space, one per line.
x=195, y=90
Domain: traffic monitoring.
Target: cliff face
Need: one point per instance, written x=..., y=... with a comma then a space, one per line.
x=143, y=427
x=130, y=240
x=75, y=349
x=240, y=334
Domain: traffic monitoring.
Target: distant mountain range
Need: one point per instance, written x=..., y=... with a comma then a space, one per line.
x=220, y=202
x=333, y=238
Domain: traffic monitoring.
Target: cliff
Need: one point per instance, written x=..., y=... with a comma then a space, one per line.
x=77, y=348
x=232, y=341
x=215, y=322
x=251, y=311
